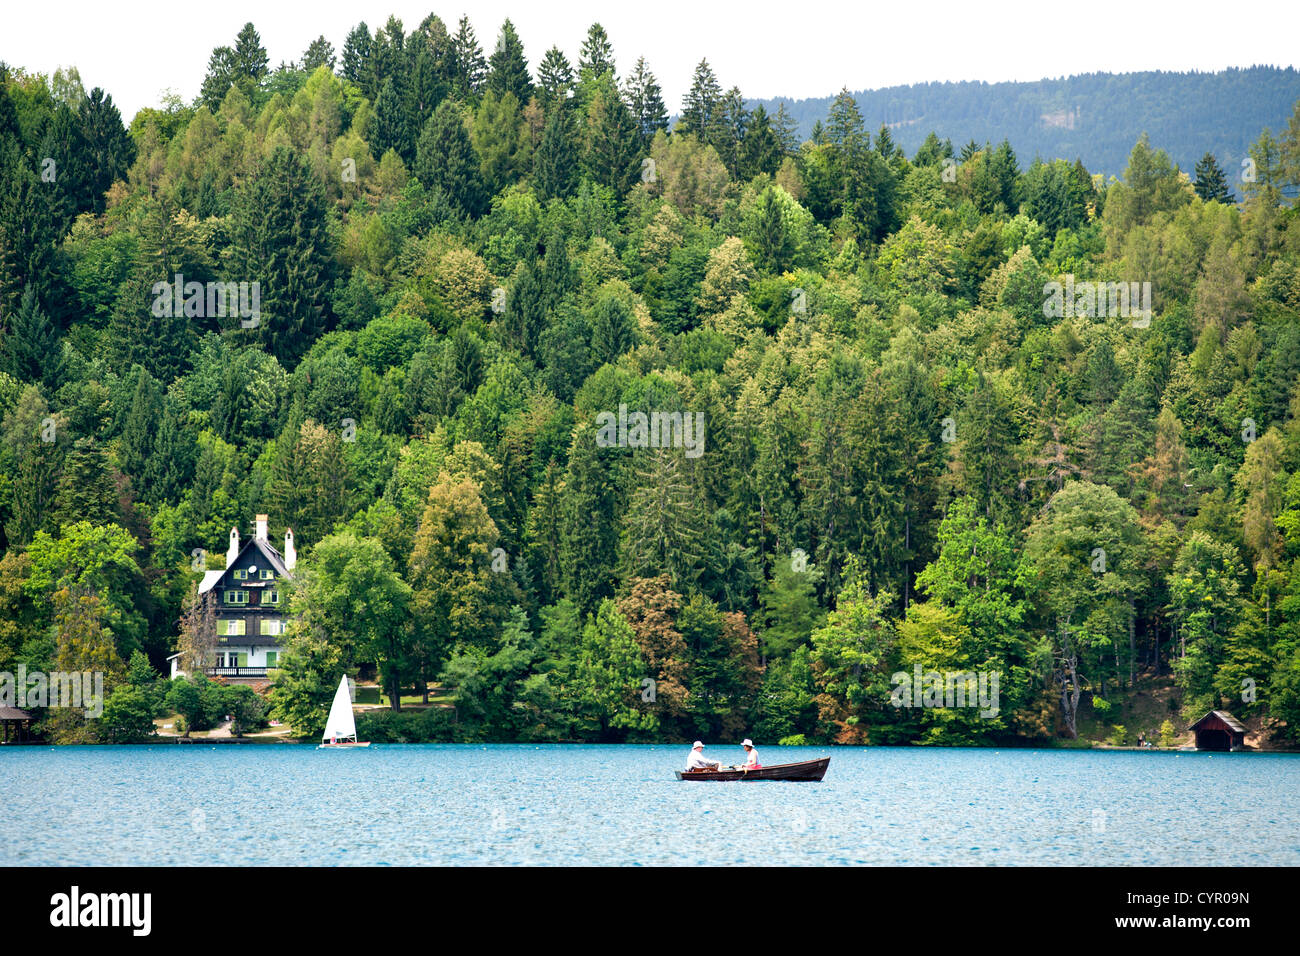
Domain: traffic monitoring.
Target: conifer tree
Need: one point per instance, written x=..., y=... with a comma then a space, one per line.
x=470, y=66
x=555, y=164
x=355, y=64
x=508, y=69
x=87, y=489
x=589, y=543
x=611, y=155
x=1211, y=183
x=31, y=350
x=703, y=100
x=281, y=240
x=554, y=79
x=597, y=55
x=446, y=159
x=645, y=100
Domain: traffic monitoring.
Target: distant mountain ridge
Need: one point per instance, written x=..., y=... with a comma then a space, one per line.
x=1095, y=117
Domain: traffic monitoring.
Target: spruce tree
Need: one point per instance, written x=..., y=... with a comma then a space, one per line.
x=145, y=331
x=597, y=54
x=786, y=130
x=320, y=52
x=35, y=480
x=645, y=100
x=141, y=428
x=470, y=67
x=87, y=489
x=29, y=233
x=555, y=164
x=508, y=67
x=589, y=535
x=702, y=102
x=445, y=158
x=554, y=79
x=280, y=239
x=32, y=350
x=525, y=312
x=390, y=126
x=760, y=150
x=612, y=152
x=356, y=54
x=1211, y=183
x=110, y=149
x=250, y=59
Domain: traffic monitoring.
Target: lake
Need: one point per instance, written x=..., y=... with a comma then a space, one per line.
x=569, y=804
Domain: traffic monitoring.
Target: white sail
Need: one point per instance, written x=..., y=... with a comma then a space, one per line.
x=341, y=725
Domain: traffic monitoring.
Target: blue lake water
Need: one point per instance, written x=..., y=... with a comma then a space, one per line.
x=526, y=804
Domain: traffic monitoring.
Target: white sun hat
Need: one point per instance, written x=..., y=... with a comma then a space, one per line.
x=698, y=745
x=747, y=743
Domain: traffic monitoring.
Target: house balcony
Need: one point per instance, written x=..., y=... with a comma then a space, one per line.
x=236, y=672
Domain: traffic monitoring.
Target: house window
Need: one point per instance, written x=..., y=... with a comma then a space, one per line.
x=273, y=627
x=267, y=575
x=271, y=658
x=271, y=597
x=241, y=575
x=231, y=627
x=235, y=597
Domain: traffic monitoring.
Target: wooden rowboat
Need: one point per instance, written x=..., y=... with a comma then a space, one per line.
x=803, y=770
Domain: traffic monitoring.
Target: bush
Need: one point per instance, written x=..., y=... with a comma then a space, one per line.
x=128, y=715
x=1167, y=737
x=1118, y=736
x=247, y=709
x=426, y=726
x=794, y=740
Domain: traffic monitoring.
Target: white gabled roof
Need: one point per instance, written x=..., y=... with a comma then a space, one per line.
x=210, y=579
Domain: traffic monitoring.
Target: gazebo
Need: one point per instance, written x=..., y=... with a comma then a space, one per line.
x=14, y=723
x=1219, y=730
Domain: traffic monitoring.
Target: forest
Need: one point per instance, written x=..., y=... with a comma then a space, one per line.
x=850, y=437
x=1094, y=117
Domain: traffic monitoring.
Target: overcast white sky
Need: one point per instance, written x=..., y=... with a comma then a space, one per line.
x=792, y=49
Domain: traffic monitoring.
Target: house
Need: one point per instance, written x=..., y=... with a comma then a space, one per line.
x=246, y=600
x=1219, y=730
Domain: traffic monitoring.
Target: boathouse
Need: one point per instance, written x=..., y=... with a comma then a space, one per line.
x=14, y=724
x=1219, y=730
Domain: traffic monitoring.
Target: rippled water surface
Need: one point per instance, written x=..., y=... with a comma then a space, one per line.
x=512, y=804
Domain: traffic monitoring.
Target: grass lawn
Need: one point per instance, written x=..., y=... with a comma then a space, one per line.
x=411, y=700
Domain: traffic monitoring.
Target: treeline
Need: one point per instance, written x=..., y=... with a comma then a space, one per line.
x=463, y=262
x=1094, y=117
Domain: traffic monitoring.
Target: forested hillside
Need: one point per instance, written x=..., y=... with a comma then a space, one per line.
x=420, y=304
x=1093, y=117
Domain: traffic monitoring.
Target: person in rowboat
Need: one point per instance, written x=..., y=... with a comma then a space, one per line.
x=697, y=760
x=751, y=755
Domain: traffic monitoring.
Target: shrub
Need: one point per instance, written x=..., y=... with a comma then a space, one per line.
x=1167, y=737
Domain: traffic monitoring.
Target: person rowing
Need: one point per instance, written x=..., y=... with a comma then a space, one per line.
x=697, y=760
x=751, y=755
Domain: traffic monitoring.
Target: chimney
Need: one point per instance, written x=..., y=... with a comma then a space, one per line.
x=260, y=534
x=290, y=555
x=233, y=551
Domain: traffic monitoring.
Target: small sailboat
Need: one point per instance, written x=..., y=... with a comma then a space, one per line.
x=341, y=727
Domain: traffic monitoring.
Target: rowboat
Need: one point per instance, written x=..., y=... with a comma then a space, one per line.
x=803, y=770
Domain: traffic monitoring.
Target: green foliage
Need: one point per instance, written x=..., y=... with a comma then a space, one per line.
x=907, y=460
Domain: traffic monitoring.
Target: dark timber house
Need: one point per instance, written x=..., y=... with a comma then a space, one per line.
x=1219, y=730
x=246, y=601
